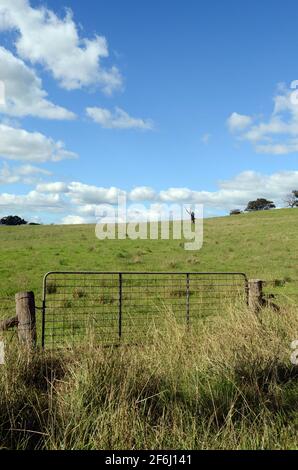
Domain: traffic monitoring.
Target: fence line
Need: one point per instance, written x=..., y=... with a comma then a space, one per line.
x=124, y=305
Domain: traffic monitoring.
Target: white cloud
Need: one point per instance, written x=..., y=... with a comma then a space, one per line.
x=33, y=201
x=55, y=188
x=87, y=210
x=119, y=119
x=279, y=149
x=76, y=220
x=24, y=95
x=19, y=144
x=79, y=203
x=44, y=38
x=278, y=135
x=85, y=194
x=237, y=191
x=142, y=193
x=176, y=195
x=254, y=184
x=2, y=93
x=22, y=174
x=238, y=122
x=26, y=170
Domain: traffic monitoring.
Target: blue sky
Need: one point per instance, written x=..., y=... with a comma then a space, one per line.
x=170, y=101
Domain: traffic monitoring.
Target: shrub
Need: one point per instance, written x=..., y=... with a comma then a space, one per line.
x=235, y=212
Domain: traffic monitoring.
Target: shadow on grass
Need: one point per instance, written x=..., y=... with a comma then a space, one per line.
x=25, y=402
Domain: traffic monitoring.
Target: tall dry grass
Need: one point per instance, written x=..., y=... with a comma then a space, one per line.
x=225, y=384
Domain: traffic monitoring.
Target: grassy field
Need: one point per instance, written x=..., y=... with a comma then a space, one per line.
x=226, y=384
x=263, y=245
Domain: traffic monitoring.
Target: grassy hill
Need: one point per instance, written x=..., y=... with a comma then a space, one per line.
x=263, y=245
x=224, y=384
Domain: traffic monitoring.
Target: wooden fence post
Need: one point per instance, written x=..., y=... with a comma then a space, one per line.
x=255, y=294
x=25, y=310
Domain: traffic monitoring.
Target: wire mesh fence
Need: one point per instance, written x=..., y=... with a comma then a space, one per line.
x=127, y=306
x=281, y=293
x=123, y=305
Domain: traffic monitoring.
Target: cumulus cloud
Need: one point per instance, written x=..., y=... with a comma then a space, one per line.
x=80, y=203
x=19, y=144
x=238, y=122
x=275, y=185
x=33, y=201
x=26, y=174
x=55, y=188
x=278, y=135
x=278, y=149
x=24, y=95
x=119, y=119
x=86, y=194
x=44, y=38
x=142, y=193
x=2, y=93
x=237, y=191
x=176, y=195
x=75, y=220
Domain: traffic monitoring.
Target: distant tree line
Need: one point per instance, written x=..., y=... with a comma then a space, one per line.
x=15, y=220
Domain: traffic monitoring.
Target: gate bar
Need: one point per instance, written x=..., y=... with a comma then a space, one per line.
x=187, y=299
x=120, y=305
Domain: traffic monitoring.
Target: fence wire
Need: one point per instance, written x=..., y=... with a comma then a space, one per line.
x=126, y=306
x=281, y=293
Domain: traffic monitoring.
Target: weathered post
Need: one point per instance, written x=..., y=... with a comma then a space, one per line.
x=255, y=294
x=25, y=311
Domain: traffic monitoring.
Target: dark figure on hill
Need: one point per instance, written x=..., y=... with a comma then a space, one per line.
x=192, y=216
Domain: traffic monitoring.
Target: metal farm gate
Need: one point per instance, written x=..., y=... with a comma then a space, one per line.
x=126, y=305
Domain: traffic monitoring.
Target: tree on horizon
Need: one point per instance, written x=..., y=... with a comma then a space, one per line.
x=260, y=204
x=13, y=220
